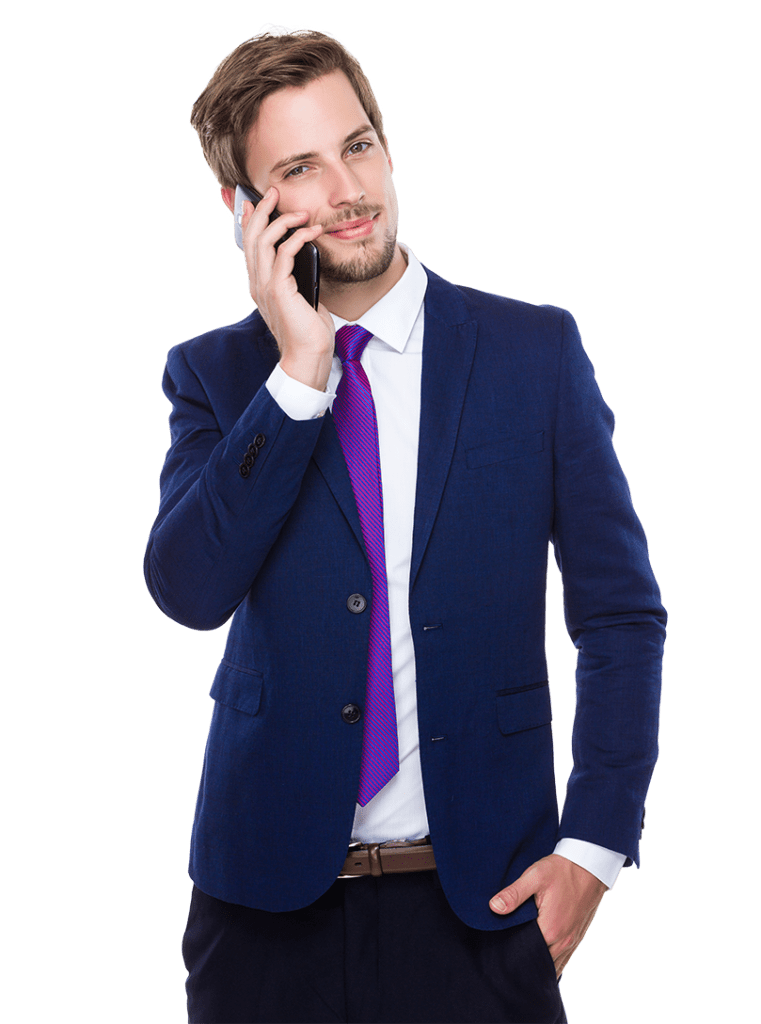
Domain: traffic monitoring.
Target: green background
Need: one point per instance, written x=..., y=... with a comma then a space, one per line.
x=591, y=155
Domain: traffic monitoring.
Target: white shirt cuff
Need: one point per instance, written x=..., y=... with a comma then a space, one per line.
x=597, y=860
x=297, y=400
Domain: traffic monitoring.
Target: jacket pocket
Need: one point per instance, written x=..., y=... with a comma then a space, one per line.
x=523, y=707
x=239, y=688
x=503, y=449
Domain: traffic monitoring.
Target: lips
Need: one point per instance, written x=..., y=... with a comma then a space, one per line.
x=353, y=228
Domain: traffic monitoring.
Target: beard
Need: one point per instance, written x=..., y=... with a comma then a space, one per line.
x=369, y=259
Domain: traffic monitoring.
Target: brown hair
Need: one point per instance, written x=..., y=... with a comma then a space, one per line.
x=229, y=105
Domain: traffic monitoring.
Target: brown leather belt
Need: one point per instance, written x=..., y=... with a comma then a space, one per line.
x=388, y=858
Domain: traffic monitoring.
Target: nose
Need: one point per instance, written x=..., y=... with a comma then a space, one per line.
x=346, y=188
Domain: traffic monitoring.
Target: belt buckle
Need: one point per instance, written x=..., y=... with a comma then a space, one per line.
x=373, y=851
x=354, y=847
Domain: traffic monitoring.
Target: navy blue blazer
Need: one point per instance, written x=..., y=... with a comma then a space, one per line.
x=515, y=452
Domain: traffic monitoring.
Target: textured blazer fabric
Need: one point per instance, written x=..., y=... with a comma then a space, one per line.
x=258, y=521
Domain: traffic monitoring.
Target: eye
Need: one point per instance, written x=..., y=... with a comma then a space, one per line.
x=358, y=147
x=296, y=172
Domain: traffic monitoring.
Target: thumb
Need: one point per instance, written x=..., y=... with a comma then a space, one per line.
x=506, y=901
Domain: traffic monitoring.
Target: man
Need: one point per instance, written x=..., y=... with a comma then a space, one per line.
x=369, y=489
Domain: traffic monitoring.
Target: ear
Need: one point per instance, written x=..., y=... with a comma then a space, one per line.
x=228, y=195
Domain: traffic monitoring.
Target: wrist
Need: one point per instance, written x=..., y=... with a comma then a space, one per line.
x=313, y=371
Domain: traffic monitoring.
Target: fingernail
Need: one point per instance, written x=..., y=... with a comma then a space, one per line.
x=498, y=905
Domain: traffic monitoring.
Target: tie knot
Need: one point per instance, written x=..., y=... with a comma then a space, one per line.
x=351, y=341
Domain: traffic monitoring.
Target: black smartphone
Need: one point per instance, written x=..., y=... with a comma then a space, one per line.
x=306, y=263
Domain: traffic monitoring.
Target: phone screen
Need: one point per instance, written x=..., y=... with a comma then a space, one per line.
x=306, y=263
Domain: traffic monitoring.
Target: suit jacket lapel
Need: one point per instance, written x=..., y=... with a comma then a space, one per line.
x=330, y=459
x=327, y=453
x=449, y=344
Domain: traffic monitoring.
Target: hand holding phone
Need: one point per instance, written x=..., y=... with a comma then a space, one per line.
x=304, y=332
x=306, y=262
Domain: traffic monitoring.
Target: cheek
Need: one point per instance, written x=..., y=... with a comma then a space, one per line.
x=390, y=197
x=308, y=197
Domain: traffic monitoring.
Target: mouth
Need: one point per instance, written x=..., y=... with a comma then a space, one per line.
x=354, y=228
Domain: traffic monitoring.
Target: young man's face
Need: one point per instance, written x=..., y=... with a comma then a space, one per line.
x=315, y=144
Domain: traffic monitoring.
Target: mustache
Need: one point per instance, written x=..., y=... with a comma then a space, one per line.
x=356, y=213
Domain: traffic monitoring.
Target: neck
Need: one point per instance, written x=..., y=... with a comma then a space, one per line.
x=351, y=300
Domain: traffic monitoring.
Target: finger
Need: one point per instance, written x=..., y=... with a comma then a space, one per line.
x=247, y=212
x=259, y=212
x=283, y=223
x=513, y=895
x=262, y=252
x=266, y=205
x=288, y=249
x=256, y=216
x=263, y=246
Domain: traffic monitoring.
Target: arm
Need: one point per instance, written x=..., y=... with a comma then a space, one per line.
x=220, y=517
x=613, y=615
x=216, y=526
x=616, y=621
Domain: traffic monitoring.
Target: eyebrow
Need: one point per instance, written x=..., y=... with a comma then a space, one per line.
x=298, y=157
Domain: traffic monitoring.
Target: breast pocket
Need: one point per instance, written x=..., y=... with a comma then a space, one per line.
x=238, y=688
x=503, y=449
x=523, y=707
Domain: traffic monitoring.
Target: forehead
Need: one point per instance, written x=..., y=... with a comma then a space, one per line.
x=304, y=119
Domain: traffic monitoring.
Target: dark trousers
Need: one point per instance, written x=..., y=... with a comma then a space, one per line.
x=381, y=950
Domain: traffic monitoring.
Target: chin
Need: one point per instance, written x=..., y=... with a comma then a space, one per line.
x=365, y=265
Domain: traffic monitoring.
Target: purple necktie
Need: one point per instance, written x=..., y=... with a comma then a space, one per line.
x=354, y=416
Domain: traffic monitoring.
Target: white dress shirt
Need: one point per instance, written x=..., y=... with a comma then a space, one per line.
x=393, y=362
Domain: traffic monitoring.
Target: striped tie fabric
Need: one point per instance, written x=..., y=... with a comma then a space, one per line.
x=354, y=416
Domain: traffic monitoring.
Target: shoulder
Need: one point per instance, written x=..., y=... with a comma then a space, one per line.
x=490, y=311
x=227, y=349
x=500, y=310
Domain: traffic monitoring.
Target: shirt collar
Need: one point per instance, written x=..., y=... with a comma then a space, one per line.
x=392, y=317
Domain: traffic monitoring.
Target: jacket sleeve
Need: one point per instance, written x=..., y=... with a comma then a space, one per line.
x=218, y=516
x=613, y=614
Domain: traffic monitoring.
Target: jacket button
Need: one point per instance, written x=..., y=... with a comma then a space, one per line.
x=252, y=450
x=351, y=713
x=259, y=440
x=356, y=604
x=244, y=470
